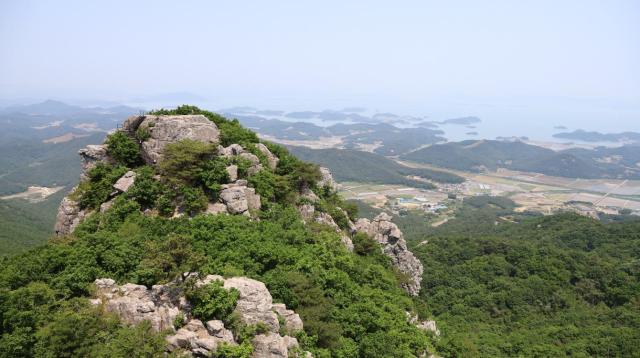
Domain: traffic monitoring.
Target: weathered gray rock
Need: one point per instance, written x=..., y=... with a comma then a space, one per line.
x=232, y=170
x=307, y=211
x=68, y=217
x=253, y=199
x=429, y=326
x=91, y=155
x=170, y=129
x=106, y=206
x=308, y=194
x=125, y=182
x=216, y=208
x=327, y=179
x=231, y=150
x=346, y=241
x=389, y=236
x=292, y=321
x=197, y=338
x=235, y=199
x=255, y=163
x=254, y=304
x=163, y=303
x=271, y=158
x=136, y=303
x=326, y=219
x=272, y=345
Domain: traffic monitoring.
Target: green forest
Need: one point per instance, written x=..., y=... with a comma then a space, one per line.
x=560, y=285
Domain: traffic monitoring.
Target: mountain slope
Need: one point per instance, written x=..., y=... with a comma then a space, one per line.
x=148, y=219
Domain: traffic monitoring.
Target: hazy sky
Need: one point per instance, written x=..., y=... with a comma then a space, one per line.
x=389, y=54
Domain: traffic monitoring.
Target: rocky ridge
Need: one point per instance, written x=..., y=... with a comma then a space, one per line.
x=163, y=304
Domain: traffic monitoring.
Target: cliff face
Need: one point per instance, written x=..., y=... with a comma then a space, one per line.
x=389, y=236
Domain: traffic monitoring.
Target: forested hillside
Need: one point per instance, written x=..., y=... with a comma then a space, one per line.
x=482, y=155
x=353, y=165
x=506, y=285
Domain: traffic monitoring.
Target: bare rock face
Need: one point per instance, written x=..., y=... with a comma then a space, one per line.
x=231, y=150
x=125, y=182
x=255, y=303
x=273, y=345
x=170, y=129
x=201, y=340
x=271, y=159
x=327, y=179
x=253, y=199
x=161, y=304
x=136, y=303
x=232, y=170
x=92, y=155
x=292, y=321
x=429, y=326
x=216, y=208
x=235, y=199
x=393, y=245
x=68, y=217
x=238, y=198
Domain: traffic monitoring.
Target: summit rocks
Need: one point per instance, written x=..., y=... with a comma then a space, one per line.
x=162, y=130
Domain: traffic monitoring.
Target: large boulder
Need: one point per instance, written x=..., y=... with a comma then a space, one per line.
x=235, y=199
x=163, y=130
x=254, y=304
x=125, y=182
x=389, y=236
x=272, y=345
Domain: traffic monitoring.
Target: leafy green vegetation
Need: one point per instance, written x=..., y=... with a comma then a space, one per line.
x=212, y=301
x=96, y=190
x=123, y=149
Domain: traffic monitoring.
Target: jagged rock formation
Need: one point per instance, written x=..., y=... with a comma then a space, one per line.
x=162, y=304
x=271, y=159
x=92, y=155
x=162, y=130
x=68, y=217
x=393, y=244
x=327, y=179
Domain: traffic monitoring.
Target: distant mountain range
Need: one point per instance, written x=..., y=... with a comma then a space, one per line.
x=587, y=136
x=480, y=155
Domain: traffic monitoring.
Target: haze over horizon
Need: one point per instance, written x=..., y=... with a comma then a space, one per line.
x=502, y=61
